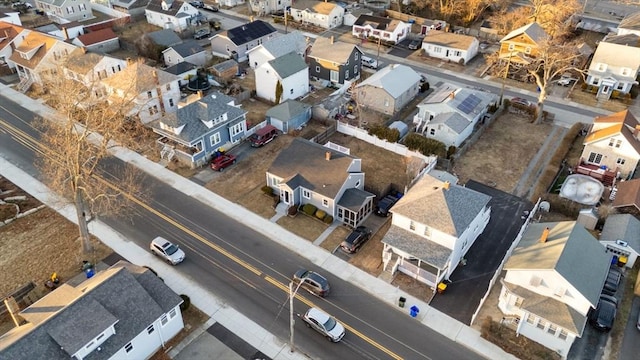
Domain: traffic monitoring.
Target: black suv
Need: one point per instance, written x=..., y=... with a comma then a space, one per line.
x=356, y=239
x=605, y=313
x=385, y=204
x=312, y=282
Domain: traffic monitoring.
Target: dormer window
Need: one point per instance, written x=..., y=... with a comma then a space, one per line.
x=625, y=71
x=602, y=67
x=511, y=47
x=527, y=50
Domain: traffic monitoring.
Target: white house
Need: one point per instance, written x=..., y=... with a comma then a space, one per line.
x=90, y=68
x=266, y=7
x=615, y=65
x=124, y=312
x=153, y=92
x=103, y=40
x=276, y=47
x=64, y=11
x=189, y=51
x=458, y=48
x=621, y=237
x=451, y=113
x=230, y=3
x=432, y=227
x=385, y=29
x=326, y=15
x=9, y=33
x=352, y=15
x=553, y=278
x=170, y=14
x=287, y=75
x=389, y=89
x=10, y=16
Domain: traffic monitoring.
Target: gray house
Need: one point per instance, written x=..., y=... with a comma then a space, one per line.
x=309, y=173
x=334, y=61
x=289, y=115
x=124, y=312
x=189, y=51
x=165, y=37
x=388, y=90
x=235, y=43
x=621, y=237
x=199, y=129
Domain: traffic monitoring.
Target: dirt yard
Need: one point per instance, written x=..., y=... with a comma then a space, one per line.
x=503, y=152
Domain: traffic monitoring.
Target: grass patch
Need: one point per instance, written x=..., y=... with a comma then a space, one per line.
x=335, y=238
x=624, y=309
x=303, y=226
x=520, y=346
x=258, y=203
x=193, y=318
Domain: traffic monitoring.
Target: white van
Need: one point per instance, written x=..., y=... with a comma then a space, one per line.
x=369, y=62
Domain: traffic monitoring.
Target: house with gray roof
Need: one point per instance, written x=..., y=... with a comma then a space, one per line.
x=276, y=47
x=630, y=24
x=64, y=11
x=164, y=37
x=451, y=113
x=552, y=280
x=189, y=51
x=171, y=14
x=332, y=181
x=124, y=312
x=334, y=61
x=289, y=115
x=615, y=66
x=388, y=90
x=235, y=43
x=196, y=131
x=432, y=227
x=184, y=71
x=285, y=77
x=621, y=237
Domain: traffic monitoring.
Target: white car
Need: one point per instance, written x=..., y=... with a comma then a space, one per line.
x=369, y=62
x=167, y=250
x=324, y=324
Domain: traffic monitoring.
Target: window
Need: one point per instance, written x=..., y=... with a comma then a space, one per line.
x=620, y=161
x=128, y=347
x=171, y=102
x=595, y=158
x=275, y=182
x=317, y=69
x=89, y=345
x=168, y=86
x=427, y=231
x=531, y=319
x=306, y=194
x=355, y=69
x=457, y=53
x=215, y=139
x=325, y=202
x=335, y=76
x=149, y=94
x=291, y=91
x=356, y=56
x=563, y=334
x=100, y=337
x=432, y=131
x=519, y=302
x=527, y=50
x=386, y=102
x=602, y=67
x=150, y=329
x=346, y=74
x=552, y=329
x=357, y=183
x=511, y=47
x=541, y=324
x=237, y=129
x=613, y=142
x=164, y=320
x=618, y=143
x=412, y=226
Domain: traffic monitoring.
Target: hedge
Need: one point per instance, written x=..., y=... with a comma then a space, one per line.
x=328, y=219
x=426, y=146
x=309, y=209
x=267, y=190
x=321, y=214
x=385, y=133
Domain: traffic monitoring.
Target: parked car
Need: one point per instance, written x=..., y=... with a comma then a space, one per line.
x=324, y=324
x=210, y=7
x=219, y=163
x=167, y=250
x=355, y=240
x=201, y=34
x=603, y=316
x=312, y=282
x=484, y=44
x=197, y=4
x=263, y=136
x=612, y=283
x=414, y=45
x=520, y=101
x=385, y=204
x=369, y=62
x=17, y=5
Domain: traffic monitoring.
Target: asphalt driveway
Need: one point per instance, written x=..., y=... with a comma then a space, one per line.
x=470, y=282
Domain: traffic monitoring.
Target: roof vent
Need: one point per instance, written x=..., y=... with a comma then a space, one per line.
x=545, y=235
x=327, y=155
x=446, y=185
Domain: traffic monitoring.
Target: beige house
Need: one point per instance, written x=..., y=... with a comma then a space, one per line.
x=389, y=89
x=613, y=144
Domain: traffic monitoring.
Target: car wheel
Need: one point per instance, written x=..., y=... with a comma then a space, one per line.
x=169, y=261
x=308, y=325
x=329, y=338
x=154, y=252
x=221, y=169
x=233, y=162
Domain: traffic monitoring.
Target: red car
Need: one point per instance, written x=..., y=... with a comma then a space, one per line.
x=222, y=161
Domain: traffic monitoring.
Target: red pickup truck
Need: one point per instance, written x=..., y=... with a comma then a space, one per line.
x=220, y=162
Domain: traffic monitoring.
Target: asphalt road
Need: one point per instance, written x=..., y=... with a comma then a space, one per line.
x=249, y=271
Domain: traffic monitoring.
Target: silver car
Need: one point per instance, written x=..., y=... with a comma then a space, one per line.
x=167, y=250
x=324, y=324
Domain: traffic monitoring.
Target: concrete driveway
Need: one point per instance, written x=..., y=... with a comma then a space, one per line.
x=470, y=282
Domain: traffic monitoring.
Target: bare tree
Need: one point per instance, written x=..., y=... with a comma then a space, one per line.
x=74, y=145
x=505, y=20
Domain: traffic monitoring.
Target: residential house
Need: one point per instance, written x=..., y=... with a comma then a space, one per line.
x=189, y=51
x=225, y=71
x=183, y=70
x=171, y=14
x=615, y=66
x=553, y=279
x=103, y=40
x=338, y=62
x=63, y=11
x=235, y=43
x=289, y=115
x=164, y=38
x=621, y=234
x=90, y=68
x=352, y=15
x=132, y=7
x=385, y=29
x=450, y=46
x=451, y=113
x=152, y=93
x=36, y=54
x=10, y=16
x=266, y=7
x=67, y=31
x=9, y=33
x=199, y=129
x=285, y=77
x=124, y=312
x=278, y=46
x=429, y=25
x=521, y=44
x=388, y=90
x=630, y=24
x=627, y=197
x=230, y=3
x=612, y=148
x=326, y=15
x=332, y=181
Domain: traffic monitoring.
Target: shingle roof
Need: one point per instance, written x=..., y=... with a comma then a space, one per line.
x=375, y=22
x=156, y=6
x=139, y=78
x=353, y=199
x=188, y=48
x=632, y=40
x=287, y=65
x=284, y=44
x=624, y=227
x=126, y=296
x=305, y=161
x=452, y=120
x=449, y=40
x=338, y=52
x=395, y=79
x=533, y=30
x=8, y=32
x=181, y=68
x=448, y=210
x=622, y=122
x=98, y=36
x=319, y=7
x=570, y=250
x=33, y=40
x=417, y=246
x=628, y=194
x=250, y=31
x=616, y=56
x=165, y=37
x=288, y=110
x=81, y=62
x=631, y=22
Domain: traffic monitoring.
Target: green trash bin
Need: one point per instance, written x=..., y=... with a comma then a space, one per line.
x=401, y=301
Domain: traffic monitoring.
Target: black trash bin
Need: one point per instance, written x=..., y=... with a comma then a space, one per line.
x=401, y=301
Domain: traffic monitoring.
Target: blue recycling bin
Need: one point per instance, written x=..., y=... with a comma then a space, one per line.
x=413, y=311
x=89, y=272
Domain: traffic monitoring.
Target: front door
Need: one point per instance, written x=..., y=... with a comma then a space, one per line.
x=286, y=197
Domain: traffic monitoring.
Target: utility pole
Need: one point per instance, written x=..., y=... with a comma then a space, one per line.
x=292, y=321
x=286, y=15
x=504, y=78
x=378, y=56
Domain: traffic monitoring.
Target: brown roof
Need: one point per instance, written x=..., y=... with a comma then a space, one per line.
x=319, y=7
x=97, y=36
x=628, y=194
x=622, y=122
x=31, y=41
x=337, y=51
x=82, y=62
x=8, y=32
x=450, y=40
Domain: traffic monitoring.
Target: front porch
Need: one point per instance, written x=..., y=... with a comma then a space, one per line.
x=605, y=176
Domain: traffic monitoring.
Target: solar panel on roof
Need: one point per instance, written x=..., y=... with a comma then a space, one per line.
x=468, y=104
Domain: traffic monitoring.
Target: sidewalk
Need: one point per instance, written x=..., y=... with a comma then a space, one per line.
x=208, y=302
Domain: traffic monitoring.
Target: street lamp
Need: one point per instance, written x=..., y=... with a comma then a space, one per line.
x=292, y=294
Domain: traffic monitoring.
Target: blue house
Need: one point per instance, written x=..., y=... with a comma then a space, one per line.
x=199, y=129
x=289, y=115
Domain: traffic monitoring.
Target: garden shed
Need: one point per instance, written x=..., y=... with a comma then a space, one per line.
x=401, y=127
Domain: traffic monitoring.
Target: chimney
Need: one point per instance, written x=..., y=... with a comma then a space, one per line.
x=327, y=155
x=65, y=32
x=446, y=184
x=200, y=94
x=331, y=39
x=129, y=61
x=545, y=235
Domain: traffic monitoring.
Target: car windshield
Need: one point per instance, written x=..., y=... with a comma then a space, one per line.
x=171, y=249
x=330, y=324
